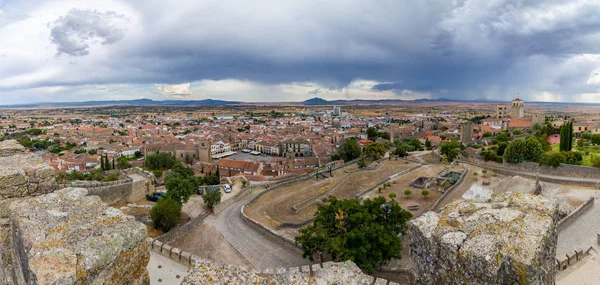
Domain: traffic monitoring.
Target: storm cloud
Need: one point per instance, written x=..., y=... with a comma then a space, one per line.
x=293, y=50
x=73, y=33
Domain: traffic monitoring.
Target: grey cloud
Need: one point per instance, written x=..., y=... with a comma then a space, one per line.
x=73, y=33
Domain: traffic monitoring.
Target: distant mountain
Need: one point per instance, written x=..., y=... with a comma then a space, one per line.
x=316, y=101
x=137, y=102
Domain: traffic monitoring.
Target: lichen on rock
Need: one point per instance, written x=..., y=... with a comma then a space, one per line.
x=506, y=238
x=66, y=237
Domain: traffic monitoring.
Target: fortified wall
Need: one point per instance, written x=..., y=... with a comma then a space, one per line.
x=50, y=236
x=509, y=238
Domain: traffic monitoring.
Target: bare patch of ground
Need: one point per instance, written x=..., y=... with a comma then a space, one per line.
x=275, y=207
x=207, y=242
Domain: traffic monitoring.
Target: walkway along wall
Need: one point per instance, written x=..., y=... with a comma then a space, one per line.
x=511, y=169
x=127, y=190
x=575, y=214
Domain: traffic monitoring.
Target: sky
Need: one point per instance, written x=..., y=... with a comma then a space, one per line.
x=264, y=50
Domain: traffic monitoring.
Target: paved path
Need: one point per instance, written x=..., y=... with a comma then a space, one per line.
x=170, y=271
x=582, y=232
x=261, y=251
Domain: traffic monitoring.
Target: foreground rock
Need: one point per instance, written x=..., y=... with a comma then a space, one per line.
x=206, y=272
x=23, y=174
x=501, y=239
x=67, y=237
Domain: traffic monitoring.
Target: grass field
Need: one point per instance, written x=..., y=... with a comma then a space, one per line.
x=594, y=152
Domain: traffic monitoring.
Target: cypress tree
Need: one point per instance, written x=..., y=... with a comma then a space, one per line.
x=102, y=162
x=113, y=165
x=571, y=135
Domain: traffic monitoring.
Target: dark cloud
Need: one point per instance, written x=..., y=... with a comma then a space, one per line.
x=73, y=33
x=457, y=49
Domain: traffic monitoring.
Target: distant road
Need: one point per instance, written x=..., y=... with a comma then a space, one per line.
x=261, y=251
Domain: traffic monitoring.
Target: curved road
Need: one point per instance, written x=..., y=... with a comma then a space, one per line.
x=261, y=251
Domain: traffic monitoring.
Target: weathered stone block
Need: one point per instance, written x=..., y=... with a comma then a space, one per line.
x=175, y=253
x=67, y=237
x=508, y=238
x=185, y=257
x=305, y=269
x=157, y=246
x=166, y=250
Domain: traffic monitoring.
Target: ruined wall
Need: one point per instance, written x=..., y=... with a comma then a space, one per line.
x=126, y=190
x=502, y=239
x=23, y=174
x=68, y=237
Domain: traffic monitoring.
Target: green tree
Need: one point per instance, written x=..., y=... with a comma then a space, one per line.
x=450, y=150
x=402, y=150
x=392, y=195
x=375, y=150
x=367, y=233
x=350, y=150
x=212, y=198
x=427, y=143
x=553, y=159
x=407, y=192
x=123, y=163
x=502, y=137
x=161, y=160
x=179, y=188
x=484, y=172
x=425, y=193
x=595, y=139
x=527, y=149
x=372, y=133
x=165, y=214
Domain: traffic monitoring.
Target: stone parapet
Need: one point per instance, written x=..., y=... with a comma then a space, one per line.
x=504, y=239
x=67, y=237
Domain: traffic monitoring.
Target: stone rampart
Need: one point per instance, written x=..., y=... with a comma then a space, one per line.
x=501, y=239
x=68, y=237
x=23, y=174
x=181, y=230
x=516, y=171
x=283, y=241
x=576, y=213
x=564, y=170
x=126, y=190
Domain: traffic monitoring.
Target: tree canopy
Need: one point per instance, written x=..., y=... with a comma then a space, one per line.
x=375, y=150
x=350, y=150
x=212, y=198
x=450, y=150
x=367, y=233
x=161, y=161
x=165, y=214
x=527, y=149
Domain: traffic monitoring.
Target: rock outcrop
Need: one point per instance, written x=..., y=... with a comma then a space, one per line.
x=506, y=238
x=67, y=237
x=23, y=174
x=206, y=272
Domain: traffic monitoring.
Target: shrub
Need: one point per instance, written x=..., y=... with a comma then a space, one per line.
x=484, y=172
x=407, y=192
x=425, y=192
x=392, y=195
x=157, y=173
x=553, y=159
x=165, y=214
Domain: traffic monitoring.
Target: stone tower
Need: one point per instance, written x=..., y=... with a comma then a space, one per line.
x=204, y=152
x=466, y=133
x=501, y=111
x=517, y=109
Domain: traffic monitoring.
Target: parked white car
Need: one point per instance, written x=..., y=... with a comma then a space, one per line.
x=227, y=188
